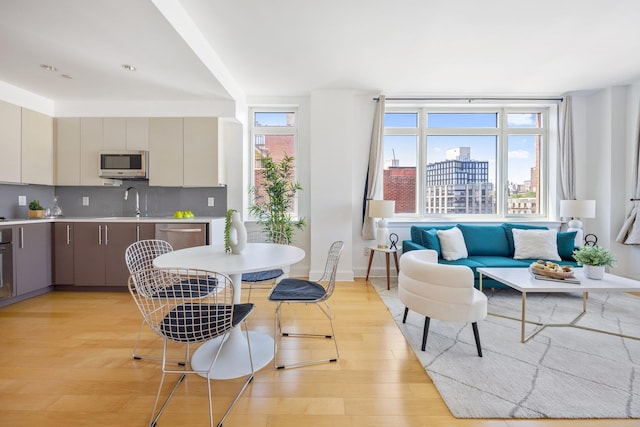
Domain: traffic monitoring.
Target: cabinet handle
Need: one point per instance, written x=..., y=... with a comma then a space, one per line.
x=21, y=237
x=106, y=235
x=182, y=230
x=68, y=234
x=137, y=232
x=99, y=235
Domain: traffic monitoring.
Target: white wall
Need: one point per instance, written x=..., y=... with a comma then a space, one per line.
x=605, y=124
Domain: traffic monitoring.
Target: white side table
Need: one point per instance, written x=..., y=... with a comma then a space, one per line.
x=387, y=252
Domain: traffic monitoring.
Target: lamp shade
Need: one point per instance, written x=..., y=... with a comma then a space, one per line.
x=578, y=208
x=382, y=208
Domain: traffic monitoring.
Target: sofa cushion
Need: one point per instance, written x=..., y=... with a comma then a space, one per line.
x=485, y=239
x=566, y=244
x=498, y=261
x=416, y=231
x=430, y=240
x=508, y=228
x=541, y=244
x=452, y=244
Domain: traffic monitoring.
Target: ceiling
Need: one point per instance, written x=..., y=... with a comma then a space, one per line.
x=194, y=51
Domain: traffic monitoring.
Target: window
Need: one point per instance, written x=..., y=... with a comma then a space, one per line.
x=463, y=161
x=273, y=132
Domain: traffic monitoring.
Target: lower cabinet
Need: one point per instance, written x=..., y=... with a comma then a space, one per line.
x=32, y=257
x=98, y=252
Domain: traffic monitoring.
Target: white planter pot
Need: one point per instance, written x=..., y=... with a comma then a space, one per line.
x=594, y=271
x=237, y=234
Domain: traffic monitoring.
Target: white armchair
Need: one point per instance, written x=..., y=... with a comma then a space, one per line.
x=439, y=291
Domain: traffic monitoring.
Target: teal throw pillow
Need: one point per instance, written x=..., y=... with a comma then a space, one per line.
x=430, y=240
x=566, y=244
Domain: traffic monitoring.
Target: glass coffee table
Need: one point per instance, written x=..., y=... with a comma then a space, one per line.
x=523, y=281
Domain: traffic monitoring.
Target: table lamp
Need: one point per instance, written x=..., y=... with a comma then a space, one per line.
x=577, y=209
x=382, y=209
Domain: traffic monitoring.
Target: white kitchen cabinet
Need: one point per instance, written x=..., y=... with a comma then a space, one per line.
x=91, y=143
x=37, y=148
x=183, y=152
x=114, y=133
x=67, y=151
x=166, y=155
x=137, y=133
x=10, y=143
x=130, y=133
x=201, y=152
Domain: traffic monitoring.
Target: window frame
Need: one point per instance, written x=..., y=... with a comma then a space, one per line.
x=501, y=132
x=272, y=130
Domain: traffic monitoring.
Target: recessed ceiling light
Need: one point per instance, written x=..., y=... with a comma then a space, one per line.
x=128, y=67
x=48, y=67
x=66, y=76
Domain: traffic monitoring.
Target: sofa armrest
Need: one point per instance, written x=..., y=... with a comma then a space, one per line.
x=410, y=245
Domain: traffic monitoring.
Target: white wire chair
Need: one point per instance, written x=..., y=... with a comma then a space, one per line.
x=190, y=316
x=139, y=256
x=292, y=291
x=262, y=279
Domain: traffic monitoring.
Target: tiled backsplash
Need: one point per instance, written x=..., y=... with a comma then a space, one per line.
x=109, y=201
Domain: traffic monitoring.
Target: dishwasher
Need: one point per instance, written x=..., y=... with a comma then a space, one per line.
x=6, y=263
x=182, y=236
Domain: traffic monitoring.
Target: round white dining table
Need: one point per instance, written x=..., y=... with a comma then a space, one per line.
x=233, y=361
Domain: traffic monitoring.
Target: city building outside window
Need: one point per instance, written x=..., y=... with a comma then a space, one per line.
x=457, y=161
x=273, y=133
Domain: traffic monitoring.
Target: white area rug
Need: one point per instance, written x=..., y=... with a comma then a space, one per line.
x=560, y=373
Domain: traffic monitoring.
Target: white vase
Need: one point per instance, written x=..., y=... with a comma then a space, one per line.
x=237, y=234
x=594, y=271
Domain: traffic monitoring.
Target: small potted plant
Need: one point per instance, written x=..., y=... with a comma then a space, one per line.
x=594, y=259
x=35, y=210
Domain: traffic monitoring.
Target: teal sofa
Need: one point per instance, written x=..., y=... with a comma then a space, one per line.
x=487, y=245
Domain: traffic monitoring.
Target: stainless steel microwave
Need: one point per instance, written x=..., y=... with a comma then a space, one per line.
x=124, y=164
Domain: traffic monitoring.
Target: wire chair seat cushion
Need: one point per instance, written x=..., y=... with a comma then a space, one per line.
x=261, y=276
x=297, y=290
x=202, y=322
x=191, y=287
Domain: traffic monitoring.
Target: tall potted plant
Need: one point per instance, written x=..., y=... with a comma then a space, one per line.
x=274, y=198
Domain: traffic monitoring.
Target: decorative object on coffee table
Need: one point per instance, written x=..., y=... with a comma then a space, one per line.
x=594, y=259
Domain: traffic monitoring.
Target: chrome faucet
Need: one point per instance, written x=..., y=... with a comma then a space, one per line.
x=126, y=196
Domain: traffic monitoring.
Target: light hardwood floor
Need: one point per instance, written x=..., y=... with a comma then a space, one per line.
x=65, y=360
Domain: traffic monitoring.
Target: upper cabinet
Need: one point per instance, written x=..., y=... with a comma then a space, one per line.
x=126, y=133
x=10, y=144
x=79, y=140
x=184, y=152
x=26, y=141
x=37, y=148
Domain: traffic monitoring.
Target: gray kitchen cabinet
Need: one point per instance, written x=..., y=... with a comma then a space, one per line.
x=32, y=257
x=63, y=253
x=99, y=249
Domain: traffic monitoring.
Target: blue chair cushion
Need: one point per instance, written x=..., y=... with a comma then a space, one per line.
x=297, y=290
x=261, y=276
x=192, y=288
x=201, y=322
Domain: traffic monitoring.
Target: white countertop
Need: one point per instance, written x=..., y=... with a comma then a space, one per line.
x=166, y=219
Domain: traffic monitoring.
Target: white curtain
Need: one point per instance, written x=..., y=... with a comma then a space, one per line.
x=373, y=184
x=630, y=232
x=567, y=162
